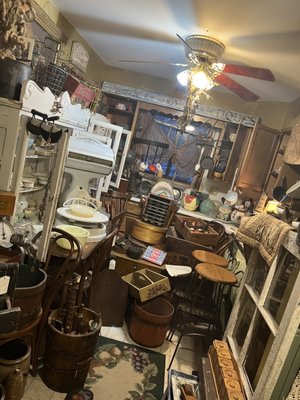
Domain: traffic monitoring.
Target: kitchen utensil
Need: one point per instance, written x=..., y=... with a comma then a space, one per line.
x=198, y=165
x=232, y=196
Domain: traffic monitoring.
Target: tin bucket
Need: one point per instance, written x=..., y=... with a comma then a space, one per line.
x=14, y=368
x=29, y=292
x=150, y=322
x=12, y=74
x=67, y=356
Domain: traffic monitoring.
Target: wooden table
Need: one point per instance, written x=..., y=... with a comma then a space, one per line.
x=209, y=257
x=215, y=273
x=126, y=265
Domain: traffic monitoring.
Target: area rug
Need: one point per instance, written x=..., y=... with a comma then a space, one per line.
x=122, y=371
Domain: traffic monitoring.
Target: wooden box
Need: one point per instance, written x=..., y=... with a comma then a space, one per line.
x=180, y=245
x=7, y=203
x=208, y=238
x=145, y=284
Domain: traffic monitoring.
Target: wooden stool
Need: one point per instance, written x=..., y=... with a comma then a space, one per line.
x=220, y=277
x=210, y=258
x=216, y=274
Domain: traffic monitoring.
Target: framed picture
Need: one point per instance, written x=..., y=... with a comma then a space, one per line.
x=26, y=54
x=79, y=56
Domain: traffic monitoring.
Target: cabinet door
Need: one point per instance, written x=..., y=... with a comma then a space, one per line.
x=259, y=158
x=43, y=196
x=9, y=127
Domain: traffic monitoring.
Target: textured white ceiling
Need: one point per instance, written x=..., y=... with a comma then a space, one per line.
x=262, y=33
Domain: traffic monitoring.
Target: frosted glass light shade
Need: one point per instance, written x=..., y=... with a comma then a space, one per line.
x=199, y=79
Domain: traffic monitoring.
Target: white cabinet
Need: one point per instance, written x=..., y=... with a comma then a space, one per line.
x=18, y=162
x=265, y=319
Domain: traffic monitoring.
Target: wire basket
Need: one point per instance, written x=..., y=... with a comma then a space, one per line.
x=52, y=76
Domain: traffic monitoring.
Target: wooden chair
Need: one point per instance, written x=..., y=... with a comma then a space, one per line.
x=58, y=270
x=114, y=202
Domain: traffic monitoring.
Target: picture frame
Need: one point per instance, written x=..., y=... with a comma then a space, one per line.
x=79, y=56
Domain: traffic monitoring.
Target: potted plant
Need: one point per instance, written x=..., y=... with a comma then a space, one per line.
x=14, y=16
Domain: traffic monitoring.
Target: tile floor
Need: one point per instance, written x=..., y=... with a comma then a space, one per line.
x=188, y=358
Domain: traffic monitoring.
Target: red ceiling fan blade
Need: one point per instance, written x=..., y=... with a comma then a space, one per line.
x=236, y=88
x=252, y=72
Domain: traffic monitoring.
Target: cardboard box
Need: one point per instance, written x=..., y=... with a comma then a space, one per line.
x=145, y=284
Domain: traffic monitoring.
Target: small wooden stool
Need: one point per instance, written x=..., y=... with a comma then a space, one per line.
x=210, y=258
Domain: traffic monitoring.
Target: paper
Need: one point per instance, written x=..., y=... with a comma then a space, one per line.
x=178, y=270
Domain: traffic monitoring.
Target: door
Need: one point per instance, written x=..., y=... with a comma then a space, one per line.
x=258, y=160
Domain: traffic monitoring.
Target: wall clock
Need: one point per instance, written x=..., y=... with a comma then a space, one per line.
x=79, y=56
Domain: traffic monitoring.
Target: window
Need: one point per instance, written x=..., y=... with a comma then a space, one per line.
x=158, y=141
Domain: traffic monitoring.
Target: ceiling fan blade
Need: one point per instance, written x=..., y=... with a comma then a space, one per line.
x=236, y=88
x=188, y=50
x=252, y=72
x=154, y=62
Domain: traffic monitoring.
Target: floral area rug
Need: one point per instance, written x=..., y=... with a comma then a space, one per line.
x=122, y=371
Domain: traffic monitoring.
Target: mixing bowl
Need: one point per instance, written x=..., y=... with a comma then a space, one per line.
x=79, y=233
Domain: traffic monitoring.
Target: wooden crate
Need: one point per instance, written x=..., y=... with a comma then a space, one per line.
x=207, y=238
x=145, y=284
x=7, y=203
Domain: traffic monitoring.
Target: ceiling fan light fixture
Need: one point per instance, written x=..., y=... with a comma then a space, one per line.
x=182, y=77
x=205, y=47
x=201, y=80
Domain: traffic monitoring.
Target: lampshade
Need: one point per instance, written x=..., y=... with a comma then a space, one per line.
x=200, y=79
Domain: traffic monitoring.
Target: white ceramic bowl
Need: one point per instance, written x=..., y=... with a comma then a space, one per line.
x=79, y=233
x=80, y=210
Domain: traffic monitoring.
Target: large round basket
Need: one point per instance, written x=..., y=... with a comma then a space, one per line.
x=148, y=233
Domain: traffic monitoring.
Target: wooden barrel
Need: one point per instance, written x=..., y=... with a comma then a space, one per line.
x=150, y=322
x=29, y=292
x=67, y=357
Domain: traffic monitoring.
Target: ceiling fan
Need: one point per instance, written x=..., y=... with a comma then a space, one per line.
x=204, y=54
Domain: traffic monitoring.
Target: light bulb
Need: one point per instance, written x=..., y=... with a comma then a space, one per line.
x=201, y=81
x=189, y=128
